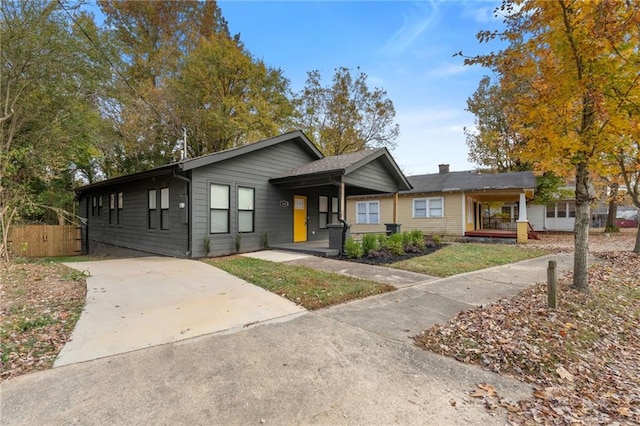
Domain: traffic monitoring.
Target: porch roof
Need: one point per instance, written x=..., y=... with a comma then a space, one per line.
x=364, y=172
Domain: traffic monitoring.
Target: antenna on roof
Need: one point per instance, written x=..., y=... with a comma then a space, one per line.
x=183, y=141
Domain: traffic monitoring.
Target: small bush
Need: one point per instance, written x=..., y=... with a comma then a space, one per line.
x=369, y=243
x=395, y=244
x=206, y=244
x=417, y=236
x=436, y=239
x=406, y=238
x=353, y=249
x=238, y=242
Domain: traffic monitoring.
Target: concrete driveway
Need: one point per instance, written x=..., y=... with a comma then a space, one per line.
x=142, y=302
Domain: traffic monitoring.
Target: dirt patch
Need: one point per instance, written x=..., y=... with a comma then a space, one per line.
x=40, y=304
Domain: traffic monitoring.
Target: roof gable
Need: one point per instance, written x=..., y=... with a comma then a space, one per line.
x=346, y=164
x=296, y=136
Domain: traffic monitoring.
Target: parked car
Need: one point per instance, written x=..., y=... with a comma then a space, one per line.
x=627, y=223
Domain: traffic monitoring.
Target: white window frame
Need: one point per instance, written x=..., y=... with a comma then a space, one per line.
x=428, y=208
x=248, y=209
x=164, y=208
x=216, y=206
x=367, y=212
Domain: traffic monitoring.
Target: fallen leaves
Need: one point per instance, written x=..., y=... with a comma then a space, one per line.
x=583, y=358
x=40, y=304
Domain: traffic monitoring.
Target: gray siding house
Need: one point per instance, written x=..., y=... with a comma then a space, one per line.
x=281, y=190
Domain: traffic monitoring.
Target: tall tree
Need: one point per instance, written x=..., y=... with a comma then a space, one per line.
x=226, y=98
x=579, y=61
x=346, y=116
x=493, y=143
x=154, y=40
x=48, y=84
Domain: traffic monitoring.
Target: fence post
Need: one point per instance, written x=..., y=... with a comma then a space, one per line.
x=552, y=285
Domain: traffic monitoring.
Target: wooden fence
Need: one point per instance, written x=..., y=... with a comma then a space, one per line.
x=45, y=240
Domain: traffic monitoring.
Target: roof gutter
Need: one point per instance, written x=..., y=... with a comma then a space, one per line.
x=189, y=236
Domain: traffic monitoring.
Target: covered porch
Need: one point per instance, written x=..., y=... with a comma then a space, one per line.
x=336, y=178
x=499, y=214
x=316, y=248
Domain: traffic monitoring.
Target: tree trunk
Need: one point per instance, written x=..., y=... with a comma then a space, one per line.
x=613, y=209
x=636, y=249
x=581, y=228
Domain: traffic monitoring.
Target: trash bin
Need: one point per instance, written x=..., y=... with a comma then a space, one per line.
x=393, y=228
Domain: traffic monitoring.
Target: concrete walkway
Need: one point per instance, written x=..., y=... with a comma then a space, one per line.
x=350, y=364
x=142, y=302
x=422, y=300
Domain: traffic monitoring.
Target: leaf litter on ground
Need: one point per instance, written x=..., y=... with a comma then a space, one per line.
x=40, y=303
x=582, y=359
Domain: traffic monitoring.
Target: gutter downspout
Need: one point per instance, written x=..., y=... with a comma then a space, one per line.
x=189, y=252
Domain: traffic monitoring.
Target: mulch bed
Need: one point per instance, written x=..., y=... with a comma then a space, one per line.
x=382, y=258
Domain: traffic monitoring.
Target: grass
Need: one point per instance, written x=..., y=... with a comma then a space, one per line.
x=458, y=258
x=307, y=287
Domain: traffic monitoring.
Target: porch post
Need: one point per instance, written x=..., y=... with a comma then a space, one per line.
x=342, y=201
x=522, y=225
x=395, y=208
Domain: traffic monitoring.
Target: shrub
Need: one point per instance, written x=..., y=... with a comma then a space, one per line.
x=353, y=249
x=207, y=246
x=406, y=238
x=369, y=243
x=437, y=239
x=395, y=244
x=417, y=237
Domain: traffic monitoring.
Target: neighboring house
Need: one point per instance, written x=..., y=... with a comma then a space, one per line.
x=444, y=203
x=279, y=190
x=558, y=216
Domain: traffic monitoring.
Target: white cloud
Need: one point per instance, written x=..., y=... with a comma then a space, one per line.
x=448, y=70
x=429, y=137
x=413, y=26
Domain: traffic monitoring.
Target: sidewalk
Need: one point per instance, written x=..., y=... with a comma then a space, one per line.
x=421, y=300
x=349, y=364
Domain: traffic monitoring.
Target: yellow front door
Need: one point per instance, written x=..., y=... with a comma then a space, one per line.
x=299, y=218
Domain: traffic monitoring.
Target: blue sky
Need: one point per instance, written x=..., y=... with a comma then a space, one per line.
x=404, y=47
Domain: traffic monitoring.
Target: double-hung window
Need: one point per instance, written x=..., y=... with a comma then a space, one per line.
x=327, y=213
x=152, y=211
x=164, y=208
x=94, y=205
x=99, y=205
x=246, y=209
x=428, y=207
x=112, y=208
x=120, y=207
x=334, y=210
x=219, y=209
x=368, y=212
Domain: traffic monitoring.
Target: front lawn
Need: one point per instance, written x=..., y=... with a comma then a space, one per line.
x=307, y=287
x=458, y=258
x=40, y=303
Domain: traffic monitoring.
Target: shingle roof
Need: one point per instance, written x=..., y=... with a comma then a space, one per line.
x=470, y=181
x=330, y=164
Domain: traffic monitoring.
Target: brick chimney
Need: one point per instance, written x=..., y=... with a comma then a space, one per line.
x=444, y=168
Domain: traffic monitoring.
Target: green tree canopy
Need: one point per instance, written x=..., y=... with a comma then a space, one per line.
x=346, y=116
